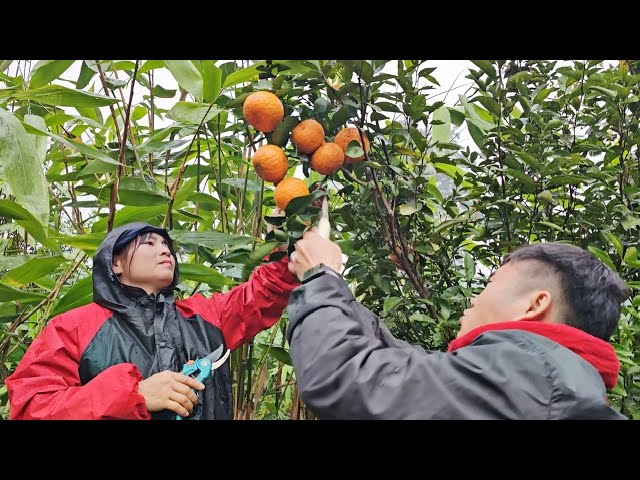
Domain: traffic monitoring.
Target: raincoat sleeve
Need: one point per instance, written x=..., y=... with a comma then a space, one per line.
x=247, y=309
x=46, y=384
x=349, y=366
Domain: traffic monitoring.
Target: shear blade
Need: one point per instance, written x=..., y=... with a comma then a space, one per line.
x=215, y=355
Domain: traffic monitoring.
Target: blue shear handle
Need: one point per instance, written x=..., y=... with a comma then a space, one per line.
x=203, y=366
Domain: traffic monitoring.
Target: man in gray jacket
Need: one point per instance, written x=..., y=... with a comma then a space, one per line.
x=533, y=344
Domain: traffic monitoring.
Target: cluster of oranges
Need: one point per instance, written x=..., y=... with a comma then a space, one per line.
x=264, y=111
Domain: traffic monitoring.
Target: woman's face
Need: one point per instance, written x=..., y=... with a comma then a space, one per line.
x=150, y=267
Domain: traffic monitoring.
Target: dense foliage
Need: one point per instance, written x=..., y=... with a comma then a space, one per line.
x=424, y=219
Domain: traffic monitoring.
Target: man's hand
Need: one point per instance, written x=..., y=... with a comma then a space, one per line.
x=313, y=250
x=171, y=391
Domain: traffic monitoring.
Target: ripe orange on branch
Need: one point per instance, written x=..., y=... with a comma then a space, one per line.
x=307, y=136
x=348, y=134
x=271, y=163
x=327, y=159
x=288, y=189
x=263, y=111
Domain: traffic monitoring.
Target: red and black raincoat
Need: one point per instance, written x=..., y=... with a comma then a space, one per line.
x=87, y=362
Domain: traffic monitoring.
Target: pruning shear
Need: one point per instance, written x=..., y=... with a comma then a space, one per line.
x=202, y=368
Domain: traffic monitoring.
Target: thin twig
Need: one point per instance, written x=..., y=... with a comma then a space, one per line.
x=121, y=159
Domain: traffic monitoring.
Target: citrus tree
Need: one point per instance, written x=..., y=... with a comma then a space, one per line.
x=423, y=216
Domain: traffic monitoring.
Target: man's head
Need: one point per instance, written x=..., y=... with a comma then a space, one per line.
x=550, y=282
x=144, y=258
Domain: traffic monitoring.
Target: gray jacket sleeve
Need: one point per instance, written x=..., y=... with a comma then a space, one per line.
x=349, y=366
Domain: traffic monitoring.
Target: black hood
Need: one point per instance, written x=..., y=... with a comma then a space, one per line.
x=107, y=289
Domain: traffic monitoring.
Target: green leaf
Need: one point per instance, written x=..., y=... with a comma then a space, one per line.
x=339, y=118
x=299, y=204
x=88, y=242
x=629, y=221
x=158, y=146
x=130, y=214
x=214, y=240
x=542, y=94
x=441, y=132
x=469, y=266
x=96, y=167
x=418, y=104
x=457, y=117
x=161, y=92
x=138, y=113
x=32, y=270
x=407, y=209
x=552, y=225
x=81, y=147
x=192, y=113
x=476, y=134
x=553, y=124
x=26, y=220
x=280, y=135
x=432, y=188
x=615, y=241
x=487, y=67
x=449, y=170
x=45, y=72
x=390, y=304
x=610, y=93
x=187, y=76
x=60, y=96
x=260, y=251
x=490, y=104
x=529, y=182
x=211, y=81
x=473, y=113
x=603, y=256
x=21, y=158
x=9, y=262
x=85, y=76
x=568, y=180
x=151, y=65
x=243, y=75
x=279, y=353
x=134, y=191
x=252, y=185
x=528, y=159
x=58, y=119
x=407, y=151
x=631, y=255
x=448, y=224
x=203, y=274
x=81, y=293
x=8, y=294
x=354, y=150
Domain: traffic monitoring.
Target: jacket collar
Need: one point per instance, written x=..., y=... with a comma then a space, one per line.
x=600, y=354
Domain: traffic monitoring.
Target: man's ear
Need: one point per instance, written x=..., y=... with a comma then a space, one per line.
x=116, y=266
x=539, y=305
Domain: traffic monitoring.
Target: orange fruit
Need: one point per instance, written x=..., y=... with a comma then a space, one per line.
x=327, y=159
x=348, y=134
x=271, y=163
x=308, y=135
x=263, y=111
x=288, y=189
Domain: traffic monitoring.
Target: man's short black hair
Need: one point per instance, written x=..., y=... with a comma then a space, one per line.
x=592, y=291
